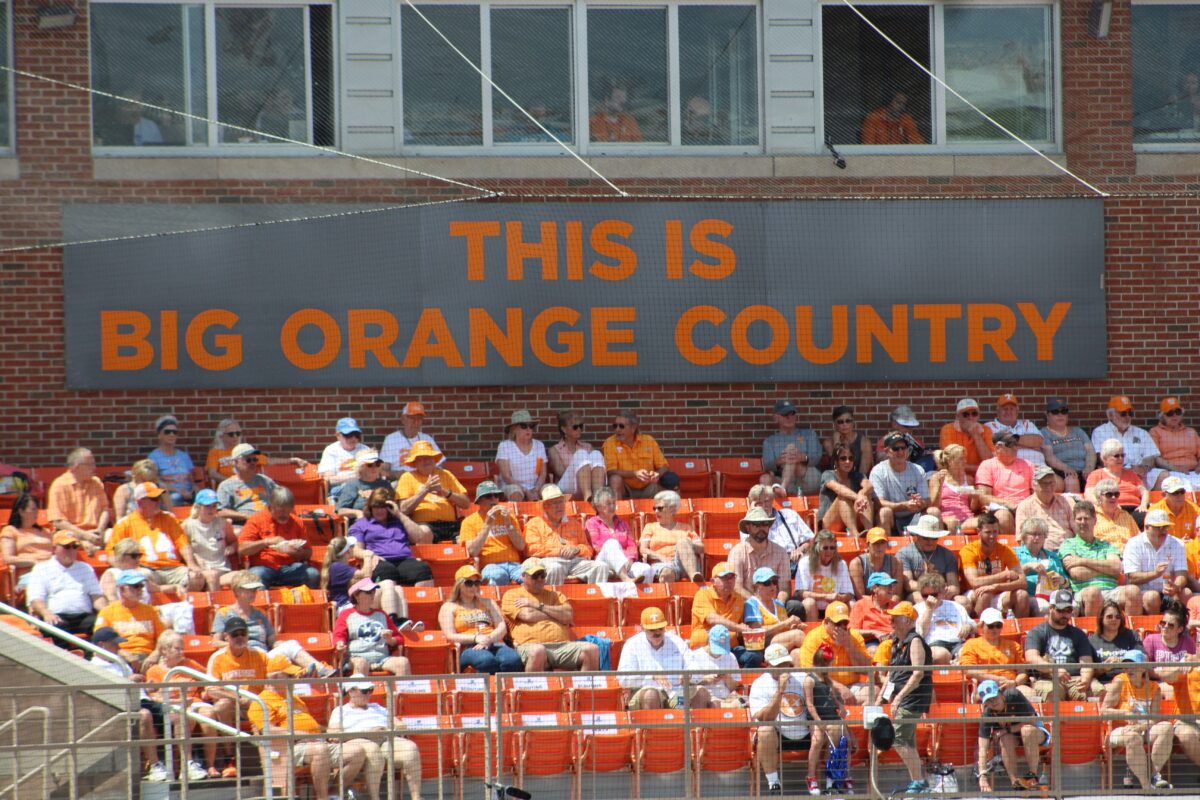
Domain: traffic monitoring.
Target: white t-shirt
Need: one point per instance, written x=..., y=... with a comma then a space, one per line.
x=945, y=622
x=397, y=446
x=1138, y=444
x=702, y=659
x=638, y=659
x=1141, y=556
x=1023, y=427
x=353, y=719
x=64, y=590
x=834, y=578
x=791, y=707
x=337, y=462
x=523, y=467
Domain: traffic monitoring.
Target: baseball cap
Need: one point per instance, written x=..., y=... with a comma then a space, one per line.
x=486, y=488
x=763, y=574
x=722, y=569
x=1008, y=438
x=1008, y=399
x=235, y=623
x=1169, y=404
x=551, y=491
x=991, y=616
x=879, y=579
x=837, y=612
x=777, y=655
x=876, y=535
x=654, y=619
x=1120, y=402
x=1062, y=598
x=1173, y=484
x=107, y=634
x=243, y=450
x=413, y=409
x=903, y=609
x=1054, y=403
x=904, y=416
x=1042, y=471
x=532, y=565
x=718, y=640
x=65, y=539
x=147, y=491
x=205, y=497
x=466, y=572
x=130, y=577
x=1135, y=656
x=1157, y=518
x=364, y=585
x=987, y=690
x=348, y=425
x=966, y=404
x=280, y=663
x=367, y=456
x=784, y=407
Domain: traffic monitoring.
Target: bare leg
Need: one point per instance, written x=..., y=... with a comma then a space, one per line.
x=597, y=480
x=814, y=752
x=388, y=591
x=768, y=749
x=1162, y=741
x=689, y=560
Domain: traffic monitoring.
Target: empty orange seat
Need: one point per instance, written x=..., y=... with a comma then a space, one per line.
x=696, y=477
x=735, y=476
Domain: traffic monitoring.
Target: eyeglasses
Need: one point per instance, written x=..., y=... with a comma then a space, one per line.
x=353, y=435
x=136, y=556
x=232, y=433
x=969, y=414
x=170, y=432
x=929, y=594
x=846, y=421
x=1112, y=616
x=537, y=576
x=843, y=624
x=1174, y=413
x=1118, y=454
x=524, y=426
x=896, y=448
x=850, y=458
x=1111, y=495
x=619, y=426
x=70, y=546
x=660, y=508
x=788, y=414
x=239, y=634
x=829, y=548
x=1165, y=624
x=472, y=583
x=578, y=426
x=995, y=626
x=1060, y=411
x=1124, y=413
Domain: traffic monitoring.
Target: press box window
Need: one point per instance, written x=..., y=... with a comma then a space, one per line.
x=6, y=124
x=1166, y=75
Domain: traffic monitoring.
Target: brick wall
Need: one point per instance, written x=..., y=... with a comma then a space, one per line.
x=1153, y=292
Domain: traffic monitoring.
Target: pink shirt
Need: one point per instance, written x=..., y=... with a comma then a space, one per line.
x=600, y=533
x=1012, y=483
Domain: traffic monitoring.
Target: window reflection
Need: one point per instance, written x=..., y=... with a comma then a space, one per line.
x=531, y=60
x=627, y=66
x=442, y=94
x=262, y=74
x=718, y=75
x=1166, y=73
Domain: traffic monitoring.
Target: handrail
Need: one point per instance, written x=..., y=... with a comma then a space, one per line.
x=240, y=692
x=58, y=633
x=45, y=768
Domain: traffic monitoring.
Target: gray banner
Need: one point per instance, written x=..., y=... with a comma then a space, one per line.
x=651, y=292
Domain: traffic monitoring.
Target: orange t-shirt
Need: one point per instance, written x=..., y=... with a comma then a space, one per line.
x=545, y=631
x=543, y=541
x=162, y=539
x=36, y=544
x=140, y=625
x=78, y=503
x=497, y=549
x=622, y=129
x=708, y=602
x=262, y=525
x=1183, y=524
x=879, y=128
x=157, y=674
x=1181, y=447
x=866, y=616
x=979, y=652
x=643, y=454
x=952, y=435
x=250, y=665
x=433, y=507
x=841, y=656
x=1001, y=558
x=302, y=721
x=1116, y=531
x=662, y=541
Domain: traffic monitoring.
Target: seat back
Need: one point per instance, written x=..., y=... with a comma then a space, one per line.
x=719, y=516
x=444, y=560
x=430, y=653
x=308, y=487
x=658, y=595
x=735, y=476
x=533, y=693
x=594, y=694
x=424, y=603
x=1079, y=740
x=542, y=747
x=589, y=604
x=438, y=750
x=469, y=473
x=696, y=477
x=660, y=744
x=607, y=744
x=955, y=742
x=722, y=739
x=419, y=697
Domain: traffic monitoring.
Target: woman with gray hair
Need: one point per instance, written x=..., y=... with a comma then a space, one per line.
x=1132, y=493
x=219, y=463
x=174, y=464
x=1044, y=570
x=615, y=546
x=671, y=548
x=1113, y=523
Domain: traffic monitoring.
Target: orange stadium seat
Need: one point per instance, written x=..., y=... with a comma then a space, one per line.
x=660, y=745
x=716, y=551
x=430, y=653
x=606, y=745
x=533, y=693
x=437, y=749
x=1079, y=740
x=308, y=487
x=682, y=594
x=589, y=604
x=314, y=616
x=594, y=693
x=319, y=644
x=955, y=742
x=542, y=750
x=469, y=473
x=420, y=696
x=616, y=638
x=735, y=476
x=466, y=694
x=696, y=477
x=720, y=744
x=199, y=647
x=424, y=603
x=719, y=516
x=444, y=559
x=629, y=609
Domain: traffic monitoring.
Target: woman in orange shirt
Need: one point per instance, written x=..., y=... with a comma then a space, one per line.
x=1132, y=693
x=475, y=622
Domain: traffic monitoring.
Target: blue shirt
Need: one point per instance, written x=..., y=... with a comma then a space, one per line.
x=175, y=471
x=1050, y=559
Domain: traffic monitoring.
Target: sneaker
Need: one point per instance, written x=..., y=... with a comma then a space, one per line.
x=1128, y=780
x=846, y=786
x=1025, y=783
x=774, y=789
x=158, y=773
x=230, y=770
x=195, y=772
x=814, y=788
x=326, y=671
x=917, y=787
x=1161, y=783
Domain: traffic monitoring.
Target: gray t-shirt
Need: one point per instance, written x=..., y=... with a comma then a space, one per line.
x=916, y=563
x=1069, y=449
x=896, y=487
x=261, y=629
x=352, y=493
x=245, y=497
x=774, y=445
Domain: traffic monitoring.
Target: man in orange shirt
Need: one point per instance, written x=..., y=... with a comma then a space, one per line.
x=868, y=616
x=561, y=542
x=77, y=502
x=540, y=621
x=611, y=123
x=1182, y=512
x=166, y=548
x=493, y=537
x=636, y=465
x=891, y=123
x=720, y=604
x=236, y=662
x=849, y=650
x=989, y=650
x=276, y=545
x=992, y=571
x=134, y=620
x=967, y=431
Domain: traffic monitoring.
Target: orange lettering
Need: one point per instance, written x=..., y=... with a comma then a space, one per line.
x=741, y=341
x=290, y=333
x=168, y=334
x=545, y=251
x=506, y=341
x=572, y=341
x=1044, y=329
x=432, y=339
x=124, y=331
x=621, y=253
x=868, y=326
x=937, y=314
x=228, y=345
x=839, y=335
x=603, y=336
x=574, y=243
x=673, y=240
x=475, y=233
x=979, y=337
x=705, y=245
x=685, y=341
x=359, y=344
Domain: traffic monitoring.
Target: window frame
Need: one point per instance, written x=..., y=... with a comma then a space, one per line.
x=1157, y=147
x=580, y=81
x=937, y=102
x=215, y=147
x=8, y=142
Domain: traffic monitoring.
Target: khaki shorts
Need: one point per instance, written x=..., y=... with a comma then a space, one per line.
x=1044, y=689
x=639, y=697
x=558, y=654
x=904, y=720
x=175, y=576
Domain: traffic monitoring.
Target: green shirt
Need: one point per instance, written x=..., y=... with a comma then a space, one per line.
x=1098, y=550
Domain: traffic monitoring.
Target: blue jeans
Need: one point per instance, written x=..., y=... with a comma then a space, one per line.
x=291, y=575
x=502, y=574
x=497, y=658
x=747, y=659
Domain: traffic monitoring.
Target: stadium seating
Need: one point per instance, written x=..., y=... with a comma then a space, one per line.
x=606, y=745
x=469, y=473
x=696, y=476
x=735, y=476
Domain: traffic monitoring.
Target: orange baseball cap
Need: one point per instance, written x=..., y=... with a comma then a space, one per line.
x=1169, y=404
x=1007, y=399
x=65, y=539
x=837, y=612
x=904, y=609
x=413, y=409
x=722, y=569
x=466, y=571
x=653, y=619
x=1120, y=402
x=876, y=535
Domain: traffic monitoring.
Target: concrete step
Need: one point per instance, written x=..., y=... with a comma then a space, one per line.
x=215, y=789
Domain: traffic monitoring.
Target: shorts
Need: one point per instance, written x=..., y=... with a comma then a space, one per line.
x=904, y=720
x=639, y=697
x=1044, y=689
x=156, y=713
x=175, y=576
x=953, y=647
x=1046, y=737
x=558, y=654
x=443, y=531
x=404, y=571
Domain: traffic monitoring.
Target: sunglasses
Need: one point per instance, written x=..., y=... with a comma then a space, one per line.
x=843, y=624
x=472, y=583
x=788, y=414
x=239, y=634
x=1060, y=411
x=770, y=582
x=491, y=497
x=995, y=626
x=898, y=448
x=578, y=426
x=1119, y=453
x=843, y=421
x=848, y=458
x=929, y=594
x=524, y=426
x=354, y=435
x=170, y=432
x=70, y=546
x=619, y=425
x=969, y=414
x=1124, y=413
x=537, y=576
x=1174, y=413
x=660, y=508
x=135, y=556
x=232, y=433
x=1112, y=495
